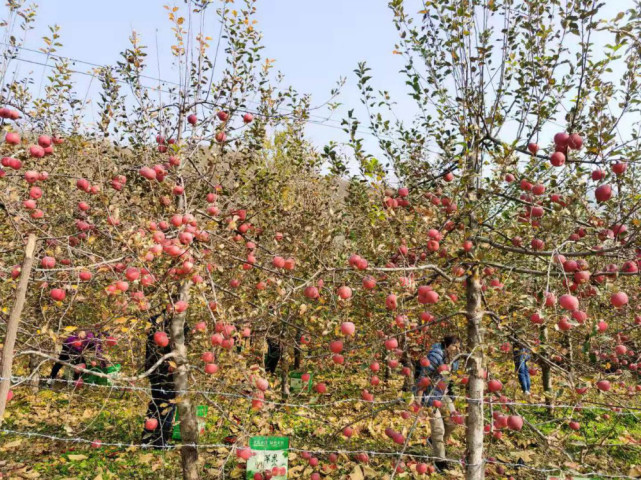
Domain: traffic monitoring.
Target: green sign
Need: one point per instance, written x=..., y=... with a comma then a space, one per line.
x=269, y=454
x=296, y=383
x=201, y=413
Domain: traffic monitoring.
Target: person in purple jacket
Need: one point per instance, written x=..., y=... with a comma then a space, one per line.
x=74, y=349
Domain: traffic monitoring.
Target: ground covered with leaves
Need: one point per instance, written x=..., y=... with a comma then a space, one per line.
x=115, y=416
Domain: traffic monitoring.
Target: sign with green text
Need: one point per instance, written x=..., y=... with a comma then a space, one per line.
x=297, y=384
x=269, y=454
x=565, y=477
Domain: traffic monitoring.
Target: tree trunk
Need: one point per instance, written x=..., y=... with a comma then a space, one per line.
x=567, y=341
x=284, y=373
x=297, y=350
x=475, y=469
x=34, y=362
x=186, y=410
x=388, y=370
x=12, y=324
x=546, y=374
x=405, y=362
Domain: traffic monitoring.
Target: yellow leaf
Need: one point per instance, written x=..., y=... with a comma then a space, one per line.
x=77, y=458
x=357, y=473
x=635, y=471
x=15, y=443
x=70, y=329
x=148, y=457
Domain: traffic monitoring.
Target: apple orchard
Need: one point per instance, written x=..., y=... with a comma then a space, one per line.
x=504, y=209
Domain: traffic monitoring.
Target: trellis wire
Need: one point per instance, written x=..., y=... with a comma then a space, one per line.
x=336, y=402
x=313, y=451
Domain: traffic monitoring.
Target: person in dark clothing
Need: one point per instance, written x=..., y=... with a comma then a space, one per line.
x=163, y=394
x=521, y=356
x=273, y=355
x=73, y=351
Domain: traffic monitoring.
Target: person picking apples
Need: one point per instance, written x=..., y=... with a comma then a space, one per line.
x=161, y=409
x=434, y=390
x=273, y=355
x=73, y=351
x=521, y=356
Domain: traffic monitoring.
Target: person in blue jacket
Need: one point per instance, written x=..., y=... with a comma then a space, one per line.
x=521, y=356
x=436, y=393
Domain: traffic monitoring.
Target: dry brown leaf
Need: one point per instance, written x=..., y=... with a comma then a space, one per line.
x=525, y=456
x=146, y=458
x=635, y=471
x=15, y=443
x=368, y=471
x=357, y=473
x=77, y=458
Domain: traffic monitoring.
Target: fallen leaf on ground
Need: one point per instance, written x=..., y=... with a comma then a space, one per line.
x=77, y=458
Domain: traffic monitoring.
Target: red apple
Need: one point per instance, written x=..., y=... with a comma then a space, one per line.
x=619, y=299
x=12, y=138
x=557, y=159
x=515, y=422
x=161, y=339
x=603, y=193
x=58, y=294
x=48, y=262
x=151, y=424
x=619, y=168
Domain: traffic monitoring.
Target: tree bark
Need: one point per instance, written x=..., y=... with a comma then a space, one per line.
x=475, y=468
x=388, y=370
x=34, y=363
x=570, y=354
x=297, y=350
x=12, y=324
x=284, y=373
x=546, y=373
x=405, y=362
x=186, y=410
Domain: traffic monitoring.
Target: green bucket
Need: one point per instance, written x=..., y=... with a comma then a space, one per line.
x=95, y=380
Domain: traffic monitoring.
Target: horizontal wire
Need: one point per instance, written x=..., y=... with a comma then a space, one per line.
x=312, y=450
x=329, y=404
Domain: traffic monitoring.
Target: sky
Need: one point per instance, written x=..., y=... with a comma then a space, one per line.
x=314, y=43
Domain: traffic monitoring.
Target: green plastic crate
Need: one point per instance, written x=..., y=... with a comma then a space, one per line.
x=201, y=413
